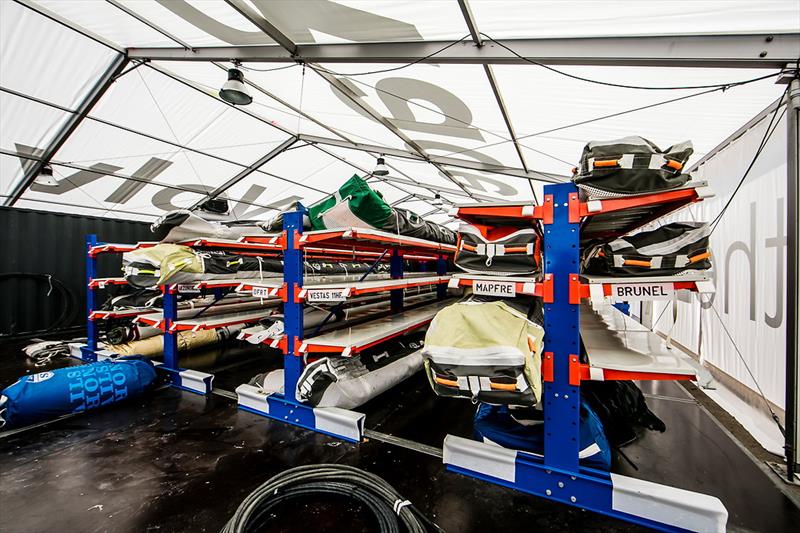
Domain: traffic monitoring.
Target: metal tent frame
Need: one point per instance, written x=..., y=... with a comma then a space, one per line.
x=766, y=51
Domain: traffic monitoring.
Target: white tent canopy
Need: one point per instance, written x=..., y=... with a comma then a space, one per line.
x=120, y=96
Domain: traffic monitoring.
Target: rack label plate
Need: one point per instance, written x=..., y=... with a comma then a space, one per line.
x=325, y=295
x=188, y=287
x=642, y=291
x=261, y=292
x=504, y=289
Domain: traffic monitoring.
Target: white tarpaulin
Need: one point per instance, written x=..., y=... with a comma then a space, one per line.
x=749, y=266
x=160, y=137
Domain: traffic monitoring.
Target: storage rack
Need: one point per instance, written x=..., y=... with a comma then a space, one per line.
x=295, y=242
x=168, y=318
x=337, y=244
x=617, y=347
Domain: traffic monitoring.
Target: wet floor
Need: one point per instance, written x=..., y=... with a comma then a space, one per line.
x=176, y=461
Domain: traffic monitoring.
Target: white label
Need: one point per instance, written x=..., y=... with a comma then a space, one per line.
x=494, y=288
x=642, y=291
x=184, y=287
x=325, y=295
x=261, y=292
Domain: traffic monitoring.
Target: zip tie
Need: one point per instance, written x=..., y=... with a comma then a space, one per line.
x=399, y=504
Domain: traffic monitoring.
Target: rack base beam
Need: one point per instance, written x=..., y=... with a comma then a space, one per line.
x=188, y=380
x=642, y=502
x=332, y=421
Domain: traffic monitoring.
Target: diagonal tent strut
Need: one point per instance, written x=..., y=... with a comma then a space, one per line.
x=440, y=160
x=78, y=29
x=271, y=31
x=319, y=142
x=73, y=121
x=287, y=104
x=275, y=152
x=469, y=19
x=150, y=24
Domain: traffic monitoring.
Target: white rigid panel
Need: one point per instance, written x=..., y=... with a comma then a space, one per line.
x=378, y=329
x=222, y=308
x=343, y=422
x=197, y=381
x=104, y=355
x=489, y=277
x=252, y=398
x=382, y=237
x=371, y=284
x=487, y=459
x=686, y=275
x=223, y=320
x=75, y=349
x=614, y=341
x=677, y=507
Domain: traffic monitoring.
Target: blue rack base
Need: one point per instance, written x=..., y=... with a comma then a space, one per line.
x=184, y=379
x=656, y=506
x=332, y=421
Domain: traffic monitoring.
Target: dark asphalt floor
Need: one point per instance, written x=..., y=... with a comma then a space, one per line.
x=176, y=461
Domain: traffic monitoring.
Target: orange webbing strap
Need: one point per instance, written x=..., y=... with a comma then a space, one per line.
x=516, y=249
x=673, y=164
x=503, y=386
x=469, y=247
x=700, y=257
x=636, y=262
x=607, y=163
x=445, y=382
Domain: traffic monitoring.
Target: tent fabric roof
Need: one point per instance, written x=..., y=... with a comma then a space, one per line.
x=158, y=137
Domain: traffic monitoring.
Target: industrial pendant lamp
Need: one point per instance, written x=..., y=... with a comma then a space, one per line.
x=45, y=177
x=437, y=200
x=235, y=91
x=381, y=169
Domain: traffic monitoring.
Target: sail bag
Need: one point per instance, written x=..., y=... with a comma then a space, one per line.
x=664, y=251
x=629, y=166
x=485, y=351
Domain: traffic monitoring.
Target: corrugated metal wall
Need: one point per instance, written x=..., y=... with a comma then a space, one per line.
x=52, y=243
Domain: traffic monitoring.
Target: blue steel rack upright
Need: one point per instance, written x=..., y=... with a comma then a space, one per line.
x=190, y=380
x=286, y=407
x=557, y=474
x=88, y=352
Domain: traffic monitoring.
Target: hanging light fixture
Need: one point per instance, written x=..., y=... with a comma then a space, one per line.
x=46, y=177
x=234, y=91
x=380, y=168
x=437, y=200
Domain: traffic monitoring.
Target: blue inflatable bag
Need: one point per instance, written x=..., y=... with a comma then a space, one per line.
x=54, y=393
x=497, y=424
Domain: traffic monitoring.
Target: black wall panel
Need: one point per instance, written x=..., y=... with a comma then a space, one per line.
x=52, y=243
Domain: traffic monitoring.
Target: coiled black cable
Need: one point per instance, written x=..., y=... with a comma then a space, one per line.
x=69, y=307
x=393, y=513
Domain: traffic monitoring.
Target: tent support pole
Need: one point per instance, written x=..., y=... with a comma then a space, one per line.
x=272, y=154
x=793, y=162
x=71, y=124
